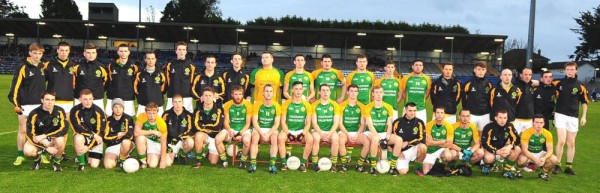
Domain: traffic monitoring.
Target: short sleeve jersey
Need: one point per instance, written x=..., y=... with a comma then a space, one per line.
x=296, y=114
x=416, y=88
x=160, y=126
x=364, y=81
x=438, y=133
x=463, y=137
x=237, y=114
x=325, y=114
x=536, y=143
x=261, y=77
x=306, y=78
x=266, y=114
x=351, y=115
x=378, y=116
x=391, y=88
x=331, y=78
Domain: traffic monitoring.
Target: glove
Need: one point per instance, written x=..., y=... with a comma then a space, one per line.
x=18, y=110
x=300, y=137
x=383, y=143
x=467, y=153
x=291, y=137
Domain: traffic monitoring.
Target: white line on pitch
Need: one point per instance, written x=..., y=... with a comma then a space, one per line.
x=8, y=132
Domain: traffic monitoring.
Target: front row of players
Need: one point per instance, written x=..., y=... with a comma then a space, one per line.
x=159, y=141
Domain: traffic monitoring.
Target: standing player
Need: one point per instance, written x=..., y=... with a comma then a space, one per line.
x=28, y=81
x=238, y=118
x=265, y=121
x=118, y=135
x=179, y=131
x=236, y=76
x=180, y=76
x=151, y=138
x=545, y=98
x=330, y=76
x=505, y=96
x=446, y=91
x=88, y=122
x=476, y=96
x=415, y=88
x=391, y=87
x=525, y=109
x=408, y=139
x=378, y=119
x=59, y=72
x=121, y=74
x=570, y=92
x=325, y=120
x=46, y=130
x=149, y=85
x=296, y=118
x=90, y=74
x=362, y=78
x=208, y=120
x=500, y=139
x=209, y=78
x=268, y=74
x=299, y=74
x=439, y=137
x=466, y=145
x=352, y=125
x=536, y=143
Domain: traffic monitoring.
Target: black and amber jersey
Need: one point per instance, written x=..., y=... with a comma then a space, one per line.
x=41, y=122
x=495, y=137
x=476, y=96
x=59, y=74
x=90, y=75
x=545, y=100
x=120, y=79
x=446, y=93
x=525, y=108
x=569, y=93
x=149, y=87
x=28, y=84
x=209, y=121
x=180, y=76
x=202, y=81
x=231, y=78
x=87, y=121
x=114, y=127
x=178, y=126
x=507, y=99
x=411, y=131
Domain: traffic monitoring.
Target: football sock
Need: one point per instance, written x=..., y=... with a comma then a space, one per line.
x=223, y=156
x=389, y=154
x=57, y=160
x=361, y=161
x=302, y=160
x=569, y=165
x=20, y=153
x=122, y=159
x=81, y=159
x=349, y=150
x=344, y=159
x=393, y=161
x=288, y=149
x=199, y=156
x=37, y=158
x=315, y=159
x=334, y=160
x=244, y=158
x=272, y=161
x=373, y=161
x=283, y=160
x=418, y=165
x=253, y=161
x=508, y=165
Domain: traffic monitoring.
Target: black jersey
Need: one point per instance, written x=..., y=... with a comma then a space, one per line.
x=570, y=92
x=411, y=131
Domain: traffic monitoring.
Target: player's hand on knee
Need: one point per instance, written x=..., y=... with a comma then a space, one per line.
x=18, y=110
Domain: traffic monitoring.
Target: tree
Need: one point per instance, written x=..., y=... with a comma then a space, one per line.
x=589, y=29
x=192, y=11
x=60, y=9
x=9, y=10
x=150, y=14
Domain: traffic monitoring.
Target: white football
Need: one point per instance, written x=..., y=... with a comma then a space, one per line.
x=383, y=166
x=131, y=165
x=230, y=150
x=293, y=163
x=324, y=164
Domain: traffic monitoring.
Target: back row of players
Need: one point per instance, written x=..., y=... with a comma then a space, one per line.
x=520, y=101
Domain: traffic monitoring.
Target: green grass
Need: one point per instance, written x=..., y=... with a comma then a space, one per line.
x=212, y=179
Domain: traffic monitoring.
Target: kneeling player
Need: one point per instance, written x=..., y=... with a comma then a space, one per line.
x=238, y=117
x=536, y=144
x=179, y=128
x=466, y=133
x=378, y=118
x=325, y=121
x=45, y=132
x=295, y=126
x=500, y=139
x=438, y=138
x=118, y=135
x=88, y=123
x=208, y=120
x=352, y=125
x=265, y=120
x=408, y=137
x=151, y=137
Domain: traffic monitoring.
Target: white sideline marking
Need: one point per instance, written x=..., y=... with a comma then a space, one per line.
x=9, y=132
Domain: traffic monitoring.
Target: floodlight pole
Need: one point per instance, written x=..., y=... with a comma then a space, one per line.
x=399, y=52
x=528, y=61
x=137, y=48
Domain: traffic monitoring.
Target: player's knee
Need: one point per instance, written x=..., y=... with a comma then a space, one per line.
x=403, y=171
x=109, y=164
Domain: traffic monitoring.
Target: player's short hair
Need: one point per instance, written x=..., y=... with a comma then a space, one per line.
x=361, y=56
x=390, y=62
x=177, y=95
x=326, y=56
x=62, y=44
x=520, y=70
x=210, y=56
x=464, y=110
x=352, y=86
x=90, y=46
x=237, y=53
x=538, y=116
x=410, y=104
x=267, y=85
x=546, y=72
x=571, y=64
x=123, y=46
x=180, y=43
x=150, y=52
x=481, y=64
x=151, y=106
x=440, y=107
x=48, y=92
x=323, y=85
x=85, y=91
x=36, y=47
x=208, y=89
x=237, y=88
x=503, y=111
x=375, y=88
x=267, y=52
x=417, y=60
x=448, y=64
x=298, y=55
x=297, y=83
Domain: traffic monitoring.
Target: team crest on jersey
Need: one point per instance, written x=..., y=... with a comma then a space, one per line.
x=415, y=130
x=130, y=72
x=302, y=109
x=575, y=90
x=55, y=121
x=542, y=140
x=514, y=95
x=243, y=80
x=384, y=112
x=98, y=73
x=368, y=78
x=71, y=70
x=122, y=127
x=272, y=111
x=157, y=80
x=423, y=82
x=42, y=71
x=215, y=82
x=444, y=132
x=454, y=88
x=395, y=84
x=470, y=133
x=93, y=121
x=184, y=122
x=243, y=110
x=187, y=71
x=505, y=134
x=357, y=110
x=487, y=89
x=305, y=78
x=330, y=108
x=214, y=117
x=332, y=77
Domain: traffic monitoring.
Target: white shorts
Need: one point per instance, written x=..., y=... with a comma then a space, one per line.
x=127, y=109
x=176, y=147
x=97, y=102
x=431, y=157
x=247, y=132
x=351, y=134
x=295, y=133
x=522, y=124
x=152, y=147
x=382, y=135
x=540, y=154
x=142, y=109
x=96, y=149
x=480, y=120
x=66, y=105
x=562, y=121
x=395, y=115
x=188, y=104
x=28, y=108
x=409, y=155
x=263, y=131
x=115, y=149
x=212, y=147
